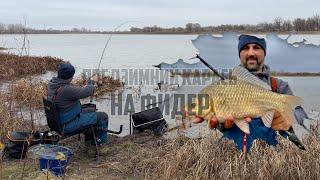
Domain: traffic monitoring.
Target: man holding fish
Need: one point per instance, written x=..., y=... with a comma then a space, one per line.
x=251, y=104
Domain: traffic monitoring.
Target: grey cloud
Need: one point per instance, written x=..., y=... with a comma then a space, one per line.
x=164, y=13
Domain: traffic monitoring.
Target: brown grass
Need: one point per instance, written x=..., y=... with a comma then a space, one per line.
x=14, y=66
x=9, y=119
x=183, y=158
x=106, y=84
x=149, y=157
x=23, y=99
x=26, y=93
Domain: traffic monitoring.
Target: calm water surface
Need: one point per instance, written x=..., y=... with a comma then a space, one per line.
x=123, y=51
x=140, y=51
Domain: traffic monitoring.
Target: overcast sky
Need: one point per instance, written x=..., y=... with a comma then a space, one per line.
x=107, y=14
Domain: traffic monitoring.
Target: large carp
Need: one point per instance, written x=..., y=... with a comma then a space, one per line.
x=240, y=98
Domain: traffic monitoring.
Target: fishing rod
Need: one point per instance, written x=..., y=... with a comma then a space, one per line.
x=109, y=38
x=209, y=66
x=106, y=46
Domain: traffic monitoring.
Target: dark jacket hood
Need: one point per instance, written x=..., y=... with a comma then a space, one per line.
x=55, y=82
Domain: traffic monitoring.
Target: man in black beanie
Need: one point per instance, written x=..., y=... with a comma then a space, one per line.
x=252, y=53
x=67, y=97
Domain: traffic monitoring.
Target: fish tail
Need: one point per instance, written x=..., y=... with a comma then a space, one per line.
x=292, y=101
x=287, y=113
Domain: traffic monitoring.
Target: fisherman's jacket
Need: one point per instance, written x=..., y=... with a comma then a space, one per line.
x=67, y=99
x=67, y=94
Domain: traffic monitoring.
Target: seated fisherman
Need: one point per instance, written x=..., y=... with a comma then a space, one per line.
x=67, y=97
x=252, y=52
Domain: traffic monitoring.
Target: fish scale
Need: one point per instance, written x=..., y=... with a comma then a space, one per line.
x=240, y=99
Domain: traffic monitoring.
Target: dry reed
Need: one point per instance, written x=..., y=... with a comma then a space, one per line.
x=24, y=97
x=8, y=119
x=106, y=84
x=149, y=157
x=14, y=66
x=26, y=92
x=208, y=158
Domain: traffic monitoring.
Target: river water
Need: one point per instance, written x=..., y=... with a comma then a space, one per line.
x=140, y=51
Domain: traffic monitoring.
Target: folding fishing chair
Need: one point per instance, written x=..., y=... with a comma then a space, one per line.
x=52, y=115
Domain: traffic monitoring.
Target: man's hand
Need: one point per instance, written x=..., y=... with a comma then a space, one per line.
x=213, y=122
x=278, y=122
x=95, y=78
x=228, y=123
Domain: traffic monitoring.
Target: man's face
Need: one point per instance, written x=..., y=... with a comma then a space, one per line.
x=252, y=57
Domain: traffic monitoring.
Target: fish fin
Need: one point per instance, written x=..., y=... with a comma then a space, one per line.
x=267, y=118
x=243, y=125
x=243, y=74
x=197, y=119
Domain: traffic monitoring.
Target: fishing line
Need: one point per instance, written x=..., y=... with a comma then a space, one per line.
x=106, y=46
x=109, y=38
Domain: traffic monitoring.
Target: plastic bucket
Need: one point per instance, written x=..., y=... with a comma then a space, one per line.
x=56, y=166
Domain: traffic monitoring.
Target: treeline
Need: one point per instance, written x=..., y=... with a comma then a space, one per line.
x=283, y=73
x=21, y=29
x=278, y=25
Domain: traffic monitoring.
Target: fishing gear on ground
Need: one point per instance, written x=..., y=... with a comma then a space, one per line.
x=17, y=142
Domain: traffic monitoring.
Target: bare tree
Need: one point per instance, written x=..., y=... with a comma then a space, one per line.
x=317, y=22
x=278, y=23
x=25, y=41
x=287, y=25
x=299, y=24
x=2, y=28
x=189, y=27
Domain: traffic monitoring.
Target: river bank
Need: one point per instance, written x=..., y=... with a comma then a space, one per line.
x=146, y=156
